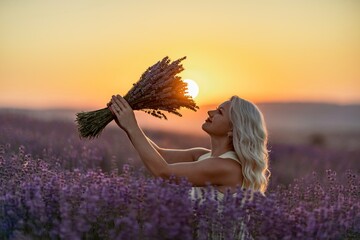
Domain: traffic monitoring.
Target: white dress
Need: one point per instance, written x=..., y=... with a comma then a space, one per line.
x=198, y=193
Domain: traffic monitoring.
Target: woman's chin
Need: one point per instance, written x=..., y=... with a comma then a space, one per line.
x=204, y=126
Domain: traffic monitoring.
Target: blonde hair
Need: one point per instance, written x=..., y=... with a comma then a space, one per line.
x=250, y=143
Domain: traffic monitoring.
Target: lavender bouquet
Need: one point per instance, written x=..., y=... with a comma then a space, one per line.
x=158, y=89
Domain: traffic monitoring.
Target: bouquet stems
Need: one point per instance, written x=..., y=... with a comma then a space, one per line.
x=158, y=89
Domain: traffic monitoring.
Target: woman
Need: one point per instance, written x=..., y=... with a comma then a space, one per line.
x=238, y=156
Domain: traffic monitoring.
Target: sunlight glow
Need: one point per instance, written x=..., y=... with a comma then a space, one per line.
x=76, y=54
x=193, y=88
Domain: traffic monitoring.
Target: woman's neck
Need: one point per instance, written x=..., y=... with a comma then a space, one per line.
x=220, y=145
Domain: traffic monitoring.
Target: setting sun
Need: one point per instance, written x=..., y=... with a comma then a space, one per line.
x=193, y=88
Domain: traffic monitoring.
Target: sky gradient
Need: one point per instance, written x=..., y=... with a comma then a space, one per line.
x=78, y=53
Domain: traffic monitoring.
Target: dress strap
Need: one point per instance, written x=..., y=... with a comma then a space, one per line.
x=229, y=154
x=204, y=156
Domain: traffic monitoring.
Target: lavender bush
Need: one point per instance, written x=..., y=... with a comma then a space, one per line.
x=54, y=186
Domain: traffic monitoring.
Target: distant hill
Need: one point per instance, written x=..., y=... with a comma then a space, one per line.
x=303, y=116
x=44, y=114
x=286, y=122
x=314, y=123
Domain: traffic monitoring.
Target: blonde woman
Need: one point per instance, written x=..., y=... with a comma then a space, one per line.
x=238, y=154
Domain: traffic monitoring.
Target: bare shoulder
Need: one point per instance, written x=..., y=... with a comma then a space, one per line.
x=229, y=169
x=217, y=171
x=227, y=164
x=198, y=151
x=232, y=164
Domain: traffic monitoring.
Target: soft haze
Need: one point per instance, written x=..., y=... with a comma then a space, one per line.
x=79, y=53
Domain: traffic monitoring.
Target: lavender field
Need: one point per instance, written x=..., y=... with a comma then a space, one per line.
x=54, y=185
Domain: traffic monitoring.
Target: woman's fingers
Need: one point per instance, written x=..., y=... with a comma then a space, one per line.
x=119, y=105
x=123, y=113
x=123, y=101
x=123, y=104
x=110, y=107
x=116, y=102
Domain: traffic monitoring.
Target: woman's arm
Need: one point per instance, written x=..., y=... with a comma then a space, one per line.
x=215, y=170
x=179, y=155
x=173, y=155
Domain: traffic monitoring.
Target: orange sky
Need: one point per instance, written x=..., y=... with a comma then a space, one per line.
x=79, y=53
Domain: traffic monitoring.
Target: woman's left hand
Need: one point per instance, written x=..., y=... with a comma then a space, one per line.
x=124, y=115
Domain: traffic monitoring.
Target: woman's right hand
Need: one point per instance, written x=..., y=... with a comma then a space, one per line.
x=115, y=118
x=123, y=113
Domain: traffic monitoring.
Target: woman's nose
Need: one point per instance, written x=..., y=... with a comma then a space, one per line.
x=210, y=113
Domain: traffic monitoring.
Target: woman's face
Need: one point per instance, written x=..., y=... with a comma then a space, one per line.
x=218, y=123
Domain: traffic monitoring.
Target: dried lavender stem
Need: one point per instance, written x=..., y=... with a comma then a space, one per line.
x=158, y=89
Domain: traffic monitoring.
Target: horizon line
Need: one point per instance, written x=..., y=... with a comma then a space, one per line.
x=202, y=105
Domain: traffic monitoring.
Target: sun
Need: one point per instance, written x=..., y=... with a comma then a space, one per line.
x=192, y=88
